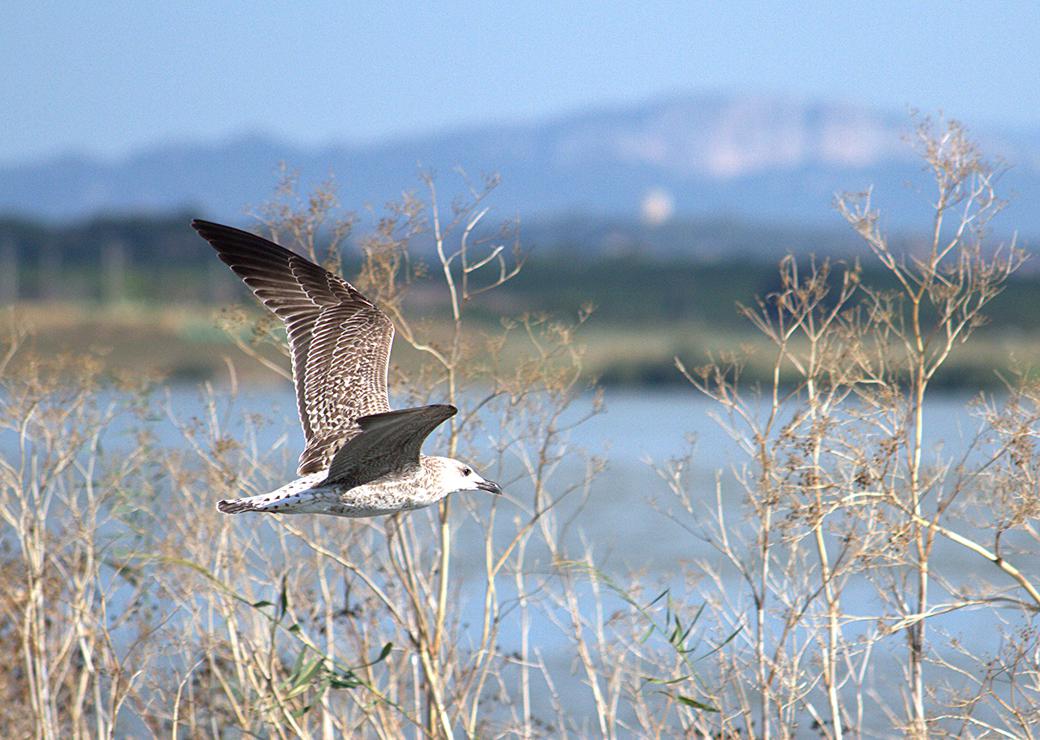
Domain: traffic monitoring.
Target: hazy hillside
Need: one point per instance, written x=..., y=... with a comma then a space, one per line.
x=770, y=158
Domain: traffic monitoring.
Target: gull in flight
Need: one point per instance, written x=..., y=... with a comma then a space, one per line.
x=361, y=459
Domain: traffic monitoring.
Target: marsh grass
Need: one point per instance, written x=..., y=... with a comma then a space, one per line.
x=842, y=498
x=131, y=607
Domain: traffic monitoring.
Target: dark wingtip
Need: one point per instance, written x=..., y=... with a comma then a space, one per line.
x=369, y=420
x=447, y=408
x=209, y=230
x=229, y=240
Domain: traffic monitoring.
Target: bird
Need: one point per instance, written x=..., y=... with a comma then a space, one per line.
x=361, y=459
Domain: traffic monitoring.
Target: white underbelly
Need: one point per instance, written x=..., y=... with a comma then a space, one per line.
x=376, y=500
x=303, y=496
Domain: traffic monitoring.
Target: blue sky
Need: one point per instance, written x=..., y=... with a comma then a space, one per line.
x=107, y=78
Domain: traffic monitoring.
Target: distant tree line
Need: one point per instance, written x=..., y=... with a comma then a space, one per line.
x=158, y=258
x=151, y=239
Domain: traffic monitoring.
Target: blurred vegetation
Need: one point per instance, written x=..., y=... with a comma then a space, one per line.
x=807, y=591
x=147, y=293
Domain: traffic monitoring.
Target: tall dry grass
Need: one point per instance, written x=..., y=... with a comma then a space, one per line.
x=855, y=532
x=131, y=607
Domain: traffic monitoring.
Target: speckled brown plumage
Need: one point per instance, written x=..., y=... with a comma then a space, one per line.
x=361, y=458
x=339, y=341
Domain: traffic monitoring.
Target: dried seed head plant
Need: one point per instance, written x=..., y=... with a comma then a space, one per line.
x=421, y=666
x=845, y=511
x=841, y=539
x=137, y=608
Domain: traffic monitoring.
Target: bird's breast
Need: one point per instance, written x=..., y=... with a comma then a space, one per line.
x=381, y=497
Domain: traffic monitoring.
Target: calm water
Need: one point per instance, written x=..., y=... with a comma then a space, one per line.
x=628, y=516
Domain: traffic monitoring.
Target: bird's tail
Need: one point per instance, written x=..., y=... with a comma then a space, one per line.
x=238, y=505
x=297, y=497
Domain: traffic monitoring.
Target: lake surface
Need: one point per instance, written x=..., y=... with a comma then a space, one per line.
x=629, y=516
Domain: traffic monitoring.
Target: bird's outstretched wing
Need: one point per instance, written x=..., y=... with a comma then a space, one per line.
x=388, y=442
x=338, y=340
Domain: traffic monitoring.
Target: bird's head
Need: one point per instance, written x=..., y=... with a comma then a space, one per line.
x=455, y=475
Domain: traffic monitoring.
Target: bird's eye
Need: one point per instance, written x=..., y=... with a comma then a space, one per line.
x=466, y=471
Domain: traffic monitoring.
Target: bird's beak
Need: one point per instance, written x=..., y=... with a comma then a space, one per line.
x=489, y=486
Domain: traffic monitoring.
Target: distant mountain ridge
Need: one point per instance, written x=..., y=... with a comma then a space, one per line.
x=763, y=157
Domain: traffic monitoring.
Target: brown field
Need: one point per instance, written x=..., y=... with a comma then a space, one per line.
x=188, y=344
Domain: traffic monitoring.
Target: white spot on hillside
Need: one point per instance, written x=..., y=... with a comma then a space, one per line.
x=657, y=207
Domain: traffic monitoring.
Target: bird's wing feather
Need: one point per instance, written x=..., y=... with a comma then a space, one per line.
x=339, y=341
x=389, y=442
